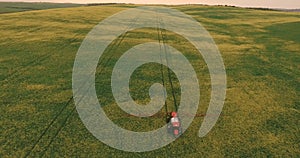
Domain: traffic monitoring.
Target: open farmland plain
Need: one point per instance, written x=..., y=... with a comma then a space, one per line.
x=261, y=53
x=11, y=7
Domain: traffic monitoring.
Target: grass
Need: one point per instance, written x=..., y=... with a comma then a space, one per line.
x=11, y=7
x=261, y=112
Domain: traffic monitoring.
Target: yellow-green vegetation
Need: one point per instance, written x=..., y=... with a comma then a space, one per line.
x=10, y=7
x=261, y=52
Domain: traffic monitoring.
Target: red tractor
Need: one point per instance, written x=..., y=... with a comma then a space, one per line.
x=174, y=125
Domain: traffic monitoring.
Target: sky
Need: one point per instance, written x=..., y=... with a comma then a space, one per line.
x=288, y=4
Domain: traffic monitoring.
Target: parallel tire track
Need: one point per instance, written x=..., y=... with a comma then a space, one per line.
x=162, y=70
x=70, y=100
x=167, y=55
x=20, y=70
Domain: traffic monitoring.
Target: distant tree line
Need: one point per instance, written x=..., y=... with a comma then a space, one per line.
x=96, y=4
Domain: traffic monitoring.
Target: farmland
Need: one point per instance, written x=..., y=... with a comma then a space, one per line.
x=10, y=7
x=261, y=53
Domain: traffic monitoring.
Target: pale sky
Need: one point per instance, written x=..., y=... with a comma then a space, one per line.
x=290, y=4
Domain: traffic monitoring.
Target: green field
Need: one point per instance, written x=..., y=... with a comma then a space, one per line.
x=260, y=118
x=10, y=7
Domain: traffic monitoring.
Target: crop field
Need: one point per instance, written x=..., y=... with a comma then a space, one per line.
x=10, y=7
x=261, y=53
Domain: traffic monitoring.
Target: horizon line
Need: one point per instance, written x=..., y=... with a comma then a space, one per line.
x=205, y=4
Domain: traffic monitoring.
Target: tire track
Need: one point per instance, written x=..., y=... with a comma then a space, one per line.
x=161, y=69
x=36, y=61
x=116, y=45
x=163, y=36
